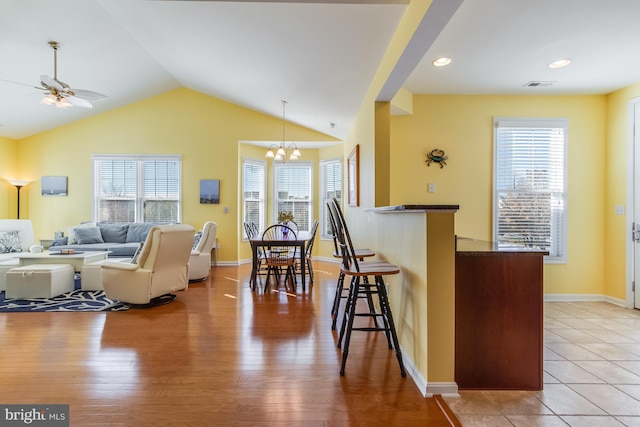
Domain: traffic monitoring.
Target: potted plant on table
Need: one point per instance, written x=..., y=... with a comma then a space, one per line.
x=285, y=218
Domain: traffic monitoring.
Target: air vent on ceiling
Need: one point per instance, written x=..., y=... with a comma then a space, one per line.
x=539, y=84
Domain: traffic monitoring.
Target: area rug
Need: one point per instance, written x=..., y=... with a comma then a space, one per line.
x=71, y=301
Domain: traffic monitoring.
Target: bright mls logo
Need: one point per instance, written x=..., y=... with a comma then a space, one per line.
x=34, y=415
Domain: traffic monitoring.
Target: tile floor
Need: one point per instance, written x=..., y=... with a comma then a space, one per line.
x=591, y=374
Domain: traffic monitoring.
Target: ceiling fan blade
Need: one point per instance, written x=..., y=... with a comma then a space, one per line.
x=87, y=94
x=49, y=82
x=78, y=102
x=21, y=84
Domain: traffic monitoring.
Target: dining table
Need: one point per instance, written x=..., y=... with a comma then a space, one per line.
x=300, y=241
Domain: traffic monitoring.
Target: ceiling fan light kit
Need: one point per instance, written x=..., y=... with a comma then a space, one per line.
x=59, y=93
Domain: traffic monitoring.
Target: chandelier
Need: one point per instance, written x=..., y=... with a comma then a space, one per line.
x=283, y=151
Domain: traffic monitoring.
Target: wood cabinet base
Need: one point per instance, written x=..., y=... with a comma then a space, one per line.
x=499, y=321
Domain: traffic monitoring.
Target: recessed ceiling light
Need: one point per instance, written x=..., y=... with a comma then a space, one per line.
x=441, y=62
x=560, y=63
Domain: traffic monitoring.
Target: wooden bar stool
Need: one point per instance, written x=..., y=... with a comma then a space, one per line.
x=359, y=287
x=361, y=254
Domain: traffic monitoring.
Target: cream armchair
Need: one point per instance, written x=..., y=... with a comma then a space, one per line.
x=200, y=260
x=161, y=268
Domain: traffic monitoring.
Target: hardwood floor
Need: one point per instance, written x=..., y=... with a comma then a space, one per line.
x=219, y=355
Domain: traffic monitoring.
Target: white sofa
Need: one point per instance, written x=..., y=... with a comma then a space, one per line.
x=26, y=236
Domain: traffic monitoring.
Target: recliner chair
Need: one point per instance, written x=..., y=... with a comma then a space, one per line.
x=161, y=268
x=200, y=260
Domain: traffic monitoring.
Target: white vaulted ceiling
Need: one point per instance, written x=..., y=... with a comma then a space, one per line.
x=320, y=56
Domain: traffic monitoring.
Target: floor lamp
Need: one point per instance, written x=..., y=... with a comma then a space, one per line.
x=18, y=184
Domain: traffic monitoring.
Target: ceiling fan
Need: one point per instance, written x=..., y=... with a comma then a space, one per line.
x=60, y=93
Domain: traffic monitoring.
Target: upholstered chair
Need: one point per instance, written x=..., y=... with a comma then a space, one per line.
x=162, y=267
x=200, y=260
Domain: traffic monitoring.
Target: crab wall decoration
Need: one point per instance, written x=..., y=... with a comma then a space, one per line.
x=437, y=156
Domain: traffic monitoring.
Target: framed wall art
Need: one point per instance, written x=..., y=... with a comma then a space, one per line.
x=353, y=176
x=54, y=186
x=209, y=191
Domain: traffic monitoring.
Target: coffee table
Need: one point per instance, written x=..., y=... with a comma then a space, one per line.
x=77, y=260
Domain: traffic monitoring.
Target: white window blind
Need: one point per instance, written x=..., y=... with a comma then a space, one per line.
x=137, y=188
x=530, y=185
x=330, y=187
x=253, y=193
x=293, y=192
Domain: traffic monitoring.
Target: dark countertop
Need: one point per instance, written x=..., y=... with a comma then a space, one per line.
x=414, y=208
x=471, y=247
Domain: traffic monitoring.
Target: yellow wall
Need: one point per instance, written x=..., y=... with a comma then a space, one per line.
x=8, y=170
x=616, y=235
x=463, y=127
x=204, y=130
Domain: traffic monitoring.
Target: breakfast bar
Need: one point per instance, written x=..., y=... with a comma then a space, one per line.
x=468, y=312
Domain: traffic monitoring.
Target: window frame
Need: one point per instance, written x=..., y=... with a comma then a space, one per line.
x=276, y=200
x=262, y=204
x=325, y=224
x=139, y=159
x=558, y=229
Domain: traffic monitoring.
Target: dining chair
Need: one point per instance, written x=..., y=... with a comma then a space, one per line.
x=292, y=225
x=248, y=230
x=357, y=287
x=251, y=230
x=277, y=258
x=308, y=253
x=335, y=214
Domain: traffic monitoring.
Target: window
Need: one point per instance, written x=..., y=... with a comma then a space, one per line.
x=530, y=184
x=330, y=187
x=293, y=192
x=253, y=193
x=141, y=188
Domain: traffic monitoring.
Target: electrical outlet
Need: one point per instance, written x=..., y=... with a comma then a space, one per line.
x=619, y=210
x=225, y=209
x=432, y=187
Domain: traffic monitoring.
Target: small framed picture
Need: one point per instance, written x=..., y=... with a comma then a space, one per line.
x=209, y=191
x=54, y=186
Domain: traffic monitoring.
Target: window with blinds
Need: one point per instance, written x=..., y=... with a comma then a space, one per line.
x=293, y=192
x=137, y=188
x=330, y=187
x=530, y=199
x=253, y=194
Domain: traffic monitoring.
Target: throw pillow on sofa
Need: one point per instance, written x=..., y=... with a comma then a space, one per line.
x=138, y=231
x=113, y=232
x=71, y=231
x=196, y=239
x=9, y=242
x=88, y=235
x=60, y=241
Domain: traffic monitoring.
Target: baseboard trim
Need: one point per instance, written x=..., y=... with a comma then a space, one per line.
x=442, y=388
x=228, y=263
x=583, y=298
x=428, y=389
